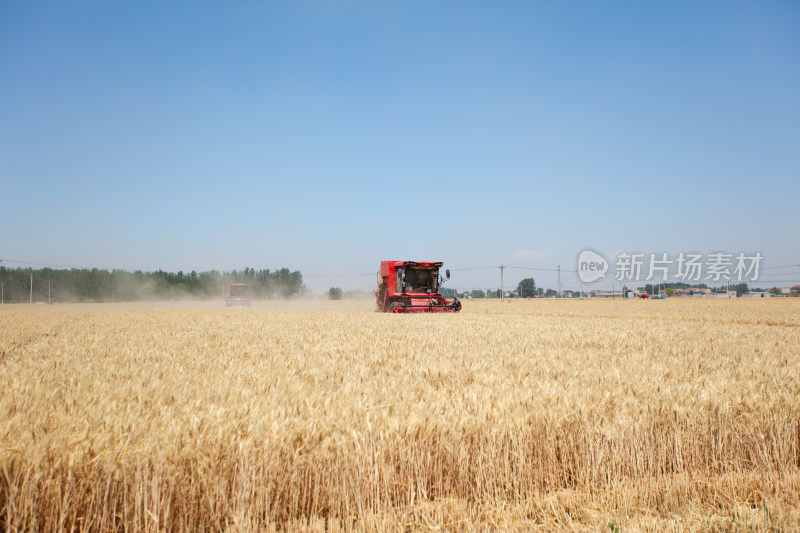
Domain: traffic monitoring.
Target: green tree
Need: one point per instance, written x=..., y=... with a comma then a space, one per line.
x=448, y=292
x=83, y=284
x=264, y=284
x=477, y=293
x=527, y=288
x=335, y=293
x=288, y=283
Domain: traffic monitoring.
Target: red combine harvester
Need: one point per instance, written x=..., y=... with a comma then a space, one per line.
x=238, y=295
x=412, y=287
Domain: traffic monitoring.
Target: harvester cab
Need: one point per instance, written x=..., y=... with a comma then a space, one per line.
x=412, y=287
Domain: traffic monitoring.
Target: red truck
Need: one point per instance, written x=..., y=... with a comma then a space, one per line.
x=237, y=295
x=412, y=287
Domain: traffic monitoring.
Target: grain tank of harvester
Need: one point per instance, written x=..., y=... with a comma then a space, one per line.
x=412, y=287
x=237, y=295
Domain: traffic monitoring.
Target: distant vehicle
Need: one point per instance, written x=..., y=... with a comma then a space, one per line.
x=237, y=295
x=644, y=295
x=412, y=287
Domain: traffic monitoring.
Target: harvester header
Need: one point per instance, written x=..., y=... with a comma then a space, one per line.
x=412, y=287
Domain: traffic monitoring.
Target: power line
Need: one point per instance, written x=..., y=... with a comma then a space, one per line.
x=71, y=267
x=337, y=275
x=783, y=266
x=473, y=268
x=542, y=269
x=501, y=267
x=110, y=269
x=507, y=266
x=47, y=264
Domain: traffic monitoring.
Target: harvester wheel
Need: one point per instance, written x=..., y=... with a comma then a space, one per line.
x=396, y=307
x=457, y=306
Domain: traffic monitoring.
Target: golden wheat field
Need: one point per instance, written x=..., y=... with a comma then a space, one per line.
x=516, y=415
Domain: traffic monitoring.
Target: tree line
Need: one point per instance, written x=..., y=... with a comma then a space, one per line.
x=98, y=285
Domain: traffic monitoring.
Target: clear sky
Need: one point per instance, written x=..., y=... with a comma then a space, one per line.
x=327, y=136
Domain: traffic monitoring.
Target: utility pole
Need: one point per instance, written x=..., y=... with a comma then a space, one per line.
x=502, y=290
x=559, y=281
x=31, y=296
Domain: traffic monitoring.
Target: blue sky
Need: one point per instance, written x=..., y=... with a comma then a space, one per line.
x=327, y=136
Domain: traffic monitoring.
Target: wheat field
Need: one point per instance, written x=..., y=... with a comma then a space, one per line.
x=326, y=416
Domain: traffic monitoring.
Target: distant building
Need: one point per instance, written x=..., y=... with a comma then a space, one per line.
x=720, y=294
